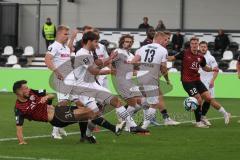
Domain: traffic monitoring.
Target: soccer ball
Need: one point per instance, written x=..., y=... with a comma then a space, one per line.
x=190, y=104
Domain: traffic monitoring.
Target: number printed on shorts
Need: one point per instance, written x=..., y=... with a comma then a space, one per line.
x=193, y=91
x=149, y=55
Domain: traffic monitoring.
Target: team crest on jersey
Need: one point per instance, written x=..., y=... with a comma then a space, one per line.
x=32, y=98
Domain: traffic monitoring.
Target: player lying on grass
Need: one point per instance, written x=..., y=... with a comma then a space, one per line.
x=36, y=105
x=192, y=60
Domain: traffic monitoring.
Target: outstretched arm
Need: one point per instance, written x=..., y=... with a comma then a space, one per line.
x=20, y=135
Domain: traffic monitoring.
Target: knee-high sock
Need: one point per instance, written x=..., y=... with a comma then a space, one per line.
x=83, y=128
x=205, y=108
x=104, y=123
x=198, y=114
x=148, y=116
x=122, y=113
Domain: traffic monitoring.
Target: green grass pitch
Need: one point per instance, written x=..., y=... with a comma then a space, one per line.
x=183, y=142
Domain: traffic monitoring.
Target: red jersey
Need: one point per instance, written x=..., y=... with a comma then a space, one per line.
x=190, y=65
x=32, y=109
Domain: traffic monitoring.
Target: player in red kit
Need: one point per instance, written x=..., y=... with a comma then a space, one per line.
x=192, y=60
x=36, y=105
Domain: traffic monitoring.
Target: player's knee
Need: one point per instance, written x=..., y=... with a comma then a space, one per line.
x=115, y=102
x=208, y=99
x=199, y=99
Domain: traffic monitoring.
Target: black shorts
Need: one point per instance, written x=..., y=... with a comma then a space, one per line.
x=64, y=116
x=194, y=88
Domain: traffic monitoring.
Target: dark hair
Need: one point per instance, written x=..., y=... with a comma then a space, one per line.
x=122, y=39
x=194, y=39
x=149, y=28
x=89, y=36
x=18, y=84
x=87, y=27
x=203, y=42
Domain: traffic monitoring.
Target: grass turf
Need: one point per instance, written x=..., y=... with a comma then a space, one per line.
x=180, y=142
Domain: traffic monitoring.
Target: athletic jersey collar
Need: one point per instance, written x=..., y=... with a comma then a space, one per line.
x=60, y=44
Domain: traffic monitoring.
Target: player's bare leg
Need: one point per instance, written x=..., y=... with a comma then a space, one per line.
x=162, y=109
x=207, y=97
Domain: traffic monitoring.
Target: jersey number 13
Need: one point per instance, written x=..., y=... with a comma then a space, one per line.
x=149, y=55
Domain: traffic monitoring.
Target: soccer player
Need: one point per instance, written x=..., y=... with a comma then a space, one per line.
x=192, y=59
x=57, y=54
x=101, y=54
x=36, y=105
x=153, y=59
x=124, y=82
x=150, y=34
x=207, y=78
x=85, y=72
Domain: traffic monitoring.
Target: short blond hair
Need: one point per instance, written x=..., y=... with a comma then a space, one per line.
x=62, y=27
x=159, y=34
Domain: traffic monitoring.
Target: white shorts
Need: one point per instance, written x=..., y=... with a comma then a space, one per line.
x=211, y=90
x=102, y=79
x=94, y=90
x=66, y=95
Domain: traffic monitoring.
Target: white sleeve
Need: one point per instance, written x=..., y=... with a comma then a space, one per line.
x=105, y=52
x=85, y=60
x=138, y=52
x=164, y=55
x=52, y=50
x=213, y=62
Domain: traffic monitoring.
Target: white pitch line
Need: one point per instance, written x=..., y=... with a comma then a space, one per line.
x=104, y=130
x=25, y=158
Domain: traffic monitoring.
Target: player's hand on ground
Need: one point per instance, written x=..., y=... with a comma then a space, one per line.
x=22, y=143
x=58, y=74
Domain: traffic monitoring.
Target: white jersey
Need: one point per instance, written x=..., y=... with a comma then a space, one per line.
x=102, y=54
x=60, y=53
x=101, y=51
x=83, y=60
x=211, y=62
x=152, y=56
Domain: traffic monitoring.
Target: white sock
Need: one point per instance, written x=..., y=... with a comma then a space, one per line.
x=55, y=130
x=88, y=132
x=122, y=112
x=148, y=116
x=222, y=110
x=130, y=110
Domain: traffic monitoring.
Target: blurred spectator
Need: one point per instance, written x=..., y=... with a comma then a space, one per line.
x=160, y=26
x=145, y=24
x=221, y=41
x=150, y=34
x=49, y=32
x=177, y=41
